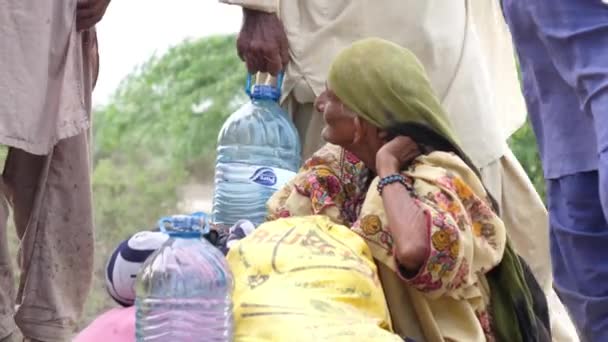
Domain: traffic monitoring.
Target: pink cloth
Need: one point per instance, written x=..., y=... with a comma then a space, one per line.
x=116, y=325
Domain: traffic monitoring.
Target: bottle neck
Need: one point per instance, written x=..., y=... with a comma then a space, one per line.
x=263, y=100
x=263, y=92
x=184, y=226
x=185, y=235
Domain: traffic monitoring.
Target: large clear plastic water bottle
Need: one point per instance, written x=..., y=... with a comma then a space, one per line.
x=184, y=289
x=258, y=152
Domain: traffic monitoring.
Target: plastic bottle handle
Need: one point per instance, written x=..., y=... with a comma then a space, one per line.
x=249, y=81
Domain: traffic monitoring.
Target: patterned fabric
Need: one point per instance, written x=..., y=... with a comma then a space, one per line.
x=466, y=238
x=332, y=182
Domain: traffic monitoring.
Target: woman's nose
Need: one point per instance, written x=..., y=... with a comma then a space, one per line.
x=320, y=103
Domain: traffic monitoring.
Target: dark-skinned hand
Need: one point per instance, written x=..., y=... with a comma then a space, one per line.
x=89, y=13
x=262, y=43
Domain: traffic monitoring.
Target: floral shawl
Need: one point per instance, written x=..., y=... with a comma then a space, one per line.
x=470, y=261
x=449, y=297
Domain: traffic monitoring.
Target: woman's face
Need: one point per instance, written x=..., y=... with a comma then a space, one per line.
x=340, y=122
x=345, y=129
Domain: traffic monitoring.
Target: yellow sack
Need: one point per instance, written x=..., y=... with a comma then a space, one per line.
x=307, y=279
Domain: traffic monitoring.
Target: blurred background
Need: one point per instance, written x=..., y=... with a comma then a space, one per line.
x=169, y=76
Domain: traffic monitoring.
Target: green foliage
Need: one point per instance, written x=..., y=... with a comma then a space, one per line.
x=174, y=105
x=155, y=127
x=128, y=199
x=158, y=133
x=164, y=117
x=523, y=145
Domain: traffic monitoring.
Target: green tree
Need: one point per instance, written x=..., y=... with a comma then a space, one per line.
x=160, y=129
x=157, y=133
x=173, y=106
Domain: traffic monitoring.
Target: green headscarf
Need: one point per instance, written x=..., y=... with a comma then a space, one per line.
x=386, y=85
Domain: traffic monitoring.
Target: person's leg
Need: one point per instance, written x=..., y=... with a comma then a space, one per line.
x=7, y=282
x=566, y=72
x=51, y=196
x=599, y=108
x=579, y=236
x=526, y=220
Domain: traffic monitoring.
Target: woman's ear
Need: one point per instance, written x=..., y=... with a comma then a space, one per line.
x=366, y=133
x=384, y=136
x=359, y=130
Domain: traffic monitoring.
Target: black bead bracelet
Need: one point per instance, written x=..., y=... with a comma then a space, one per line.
x=396, y=178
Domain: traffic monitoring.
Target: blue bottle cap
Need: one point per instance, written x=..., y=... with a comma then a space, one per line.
x=185, y=226
x=264, y=91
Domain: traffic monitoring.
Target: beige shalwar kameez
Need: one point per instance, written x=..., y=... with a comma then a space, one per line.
x=47, y=71
x=466, y=49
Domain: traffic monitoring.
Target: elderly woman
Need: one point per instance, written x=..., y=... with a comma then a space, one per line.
x=394, y=172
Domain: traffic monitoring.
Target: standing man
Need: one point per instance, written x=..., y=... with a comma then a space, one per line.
x=48, y=66
x=466, y=49
x=563, y=51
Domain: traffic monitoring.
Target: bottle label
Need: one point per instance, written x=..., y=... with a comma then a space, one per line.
x=270, y=177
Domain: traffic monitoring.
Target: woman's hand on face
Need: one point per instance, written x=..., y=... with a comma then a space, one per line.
x=395, y=154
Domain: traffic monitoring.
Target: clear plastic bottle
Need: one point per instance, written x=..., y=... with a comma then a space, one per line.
x=258, y=152
x=184, y=289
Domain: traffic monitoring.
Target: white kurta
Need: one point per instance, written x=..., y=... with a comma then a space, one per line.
x=467, y=51
x=465, y=47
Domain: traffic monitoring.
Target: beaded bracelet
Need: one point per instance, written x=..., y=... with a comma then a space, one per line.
x=396, y=178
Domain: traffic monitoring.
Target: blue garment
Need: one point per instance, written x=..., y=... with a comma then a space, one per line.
x=563, y=52
x=562, y=47
x=579, y=251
